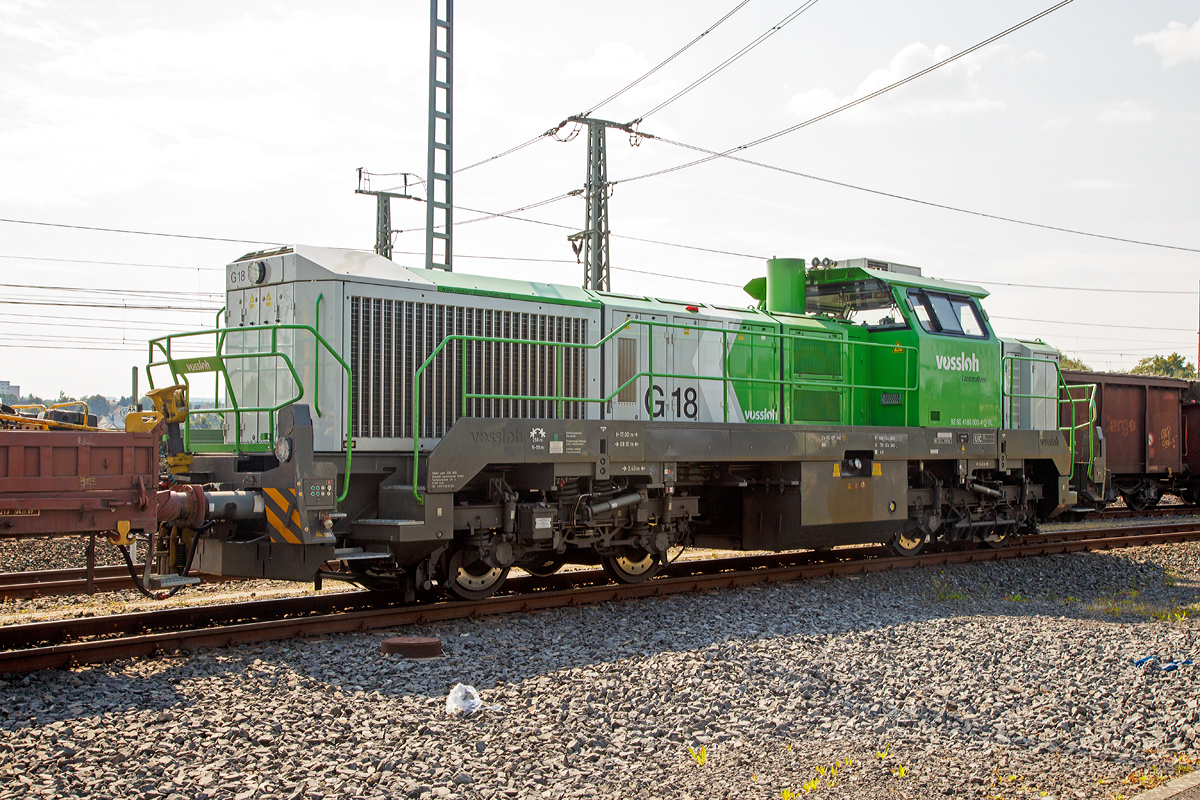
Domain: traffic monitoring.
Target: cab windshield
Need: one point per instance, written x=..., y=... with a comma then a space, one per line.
x=867, y=302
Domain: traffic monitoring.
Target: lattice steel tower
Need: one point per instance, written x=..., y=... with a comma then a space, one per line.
x=383, y=208
x=439, y=173
x=595, y=233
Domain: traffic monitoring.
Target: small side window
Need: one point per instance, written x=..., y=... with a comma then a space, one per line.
x=947, y=315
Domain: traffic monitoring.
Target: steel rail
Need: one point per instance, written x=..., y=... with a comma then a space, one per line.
x=563, y=590
x=59, y=582
x=1158, y=511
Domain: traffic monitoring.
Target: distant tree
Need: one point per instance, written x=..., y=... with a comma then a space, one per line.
x=98, y=405
x=207, y=421
x=8, y=399
x=63, y=397
x=31, y=399
x=1172, y=366
x=1066, y=362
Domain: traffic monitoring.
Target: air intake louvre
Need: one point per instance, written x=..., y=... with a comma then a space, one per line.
x=390, y=340
x=816, y=406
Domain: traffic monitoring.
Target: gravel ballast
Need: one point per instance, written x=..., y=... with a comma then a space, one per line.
x=1008, y=679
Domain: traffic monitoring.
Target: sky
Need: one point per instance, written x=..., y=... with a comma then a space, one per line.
x=247, y=121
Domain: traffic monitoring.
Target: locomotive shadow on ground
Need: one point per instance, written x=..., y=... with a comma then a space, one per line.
x=512, y=650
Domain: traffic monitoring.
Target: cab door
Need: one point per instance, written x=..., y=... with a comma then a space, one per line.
x=696, y=391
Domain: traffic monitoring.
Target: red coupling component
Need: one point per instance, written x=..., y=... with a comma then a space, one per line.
x=183, y=506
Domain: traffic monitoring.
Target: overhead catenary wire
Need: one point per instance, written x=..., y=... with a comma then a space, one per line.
x=774, y=29
x=712, y=155
x=101, y=290
x=669, y=59
x=512, y=215
x=32, y=320
x=1093, y=324
x=130, y=306
x=495, y=258
x=111, y=263
x=1072, y=288
x=610, y=98
x=106, y=349
x=896, y=196
x=139, y=233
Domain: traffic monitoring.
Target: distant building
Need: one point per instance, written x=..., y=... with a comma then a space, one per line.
x=8, y=388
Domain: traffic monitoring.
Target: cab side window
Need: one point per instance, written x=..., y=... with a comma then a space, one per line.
x=946, y=314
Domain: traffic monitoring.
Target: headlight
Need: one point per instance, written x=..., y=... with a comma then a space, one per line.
x=283, y=449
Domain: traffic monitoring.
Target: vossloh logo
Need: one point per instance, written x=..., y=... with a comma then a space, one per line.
x=959, y=363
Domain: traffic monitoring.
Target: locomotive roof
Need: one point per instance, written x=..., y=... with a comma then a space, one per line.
x=464, y=283
x=843, y=274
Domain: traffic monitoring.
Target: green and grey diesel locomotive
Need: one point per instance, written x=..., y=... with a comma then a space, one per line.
x=410, y=429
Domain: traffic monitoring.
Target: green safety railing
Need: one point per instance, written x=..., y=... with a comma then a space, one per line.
x=181, y=367
x=725, y=378
x=1062, y=395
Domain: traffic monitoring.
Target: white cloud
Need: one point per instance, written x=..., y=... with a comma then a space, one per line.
x=23, y=22
x=811, y=103
x=1126, y=111
x=1097, y=184
x=1175, y=43
x=953, y=89
x=1057, y=122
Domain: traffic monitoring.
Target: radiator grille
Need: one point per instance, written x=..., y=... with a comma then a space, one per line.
x=817, y=358
x=390, y=339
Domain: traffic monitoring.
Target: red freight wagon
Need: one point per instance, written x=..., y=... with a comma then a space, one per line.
x=1151, y=429
x=77, y=481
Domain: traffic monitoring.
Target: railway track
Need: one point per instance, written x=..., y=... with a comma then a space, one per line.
x=65, y=643
x=58, y=582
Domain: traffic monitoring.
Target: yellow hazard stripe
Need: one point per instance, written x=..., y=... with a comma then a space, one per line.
x=290, y=533
x=275, y=522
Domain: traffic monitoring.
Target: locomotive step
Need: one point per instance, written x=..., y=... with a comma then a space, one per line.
x=356, y=554
x=171, y=581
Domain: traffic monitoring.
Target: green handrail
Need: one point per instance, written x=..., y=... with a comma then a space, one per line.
x=163, y=345
x=558, y=399
x=218, y=340
x=1062, y=395
x=317, y=355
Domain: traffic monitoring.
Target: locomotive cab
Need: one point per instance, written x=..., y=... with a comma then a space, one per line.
x=940, y=343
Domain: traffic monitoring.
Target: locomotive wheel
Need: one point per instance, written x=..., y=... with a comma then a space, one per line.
x=994, y=539
x=631, y=565
x=543, y=566
x=474, y=581
x=908, y=544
